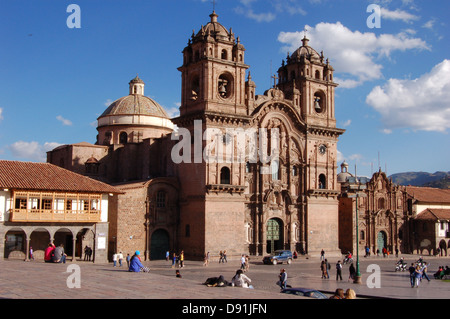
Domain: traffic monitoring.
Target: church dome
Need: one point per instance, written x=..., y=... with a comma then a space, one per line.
x=135, y=104
x=305, y=51
x=344, y=174
x=136, y=115
x=215, y=30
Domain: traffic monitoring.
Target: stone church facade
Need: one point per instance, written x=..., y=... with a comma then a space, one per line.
x=176, y=198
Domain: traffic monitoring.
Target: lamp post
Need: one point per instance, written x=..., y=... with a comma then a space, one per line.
x=354, y=190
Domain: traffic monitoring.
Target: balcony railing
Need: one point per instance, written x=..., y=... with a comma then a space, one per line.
x=47, y=215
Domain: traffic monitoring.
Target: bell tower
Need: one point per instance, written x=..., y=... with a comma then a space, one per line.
x=213, y=71
x=309, y=72
x=213, y=100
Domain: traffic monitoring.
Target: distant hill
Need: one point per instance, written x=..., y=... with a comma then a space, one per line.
x=437, y=180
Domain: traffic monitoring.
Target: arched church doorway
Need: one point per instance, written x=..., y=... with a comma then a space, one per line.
x=274, y=236
x=381, y=241
x=159, y=244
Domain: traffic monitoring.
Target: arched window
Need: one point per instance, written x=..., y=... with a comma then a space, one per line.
x=381, y=203
x=224, y=54
x=225, y=175
x=322, y=181
x=123, y=138
x=318, y=75
x=160, y=199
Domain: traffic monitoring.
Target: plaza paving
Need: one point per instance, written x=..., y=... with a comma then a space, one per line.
x=38, y=280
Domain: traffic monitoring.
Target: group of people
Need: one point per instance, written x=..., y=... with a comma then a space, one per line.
x=177, y=260
x=442, y=272
x=417, y=272
x=55, y=254
x=118, y=258
x=325, y=268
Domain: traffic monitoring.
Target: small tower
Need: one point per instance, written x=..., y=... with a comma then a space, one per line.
x=136, y=86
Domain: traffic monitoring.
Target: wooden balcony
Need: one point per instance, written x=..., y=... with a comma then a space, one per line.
x=32, y=206
x=44, y=215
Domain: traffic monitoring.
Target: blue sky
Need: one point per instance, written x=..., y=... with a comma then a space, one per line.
x=394, y=93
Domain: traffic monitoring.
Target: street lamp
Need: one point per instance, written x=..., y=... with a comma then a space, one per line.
x=355, y=190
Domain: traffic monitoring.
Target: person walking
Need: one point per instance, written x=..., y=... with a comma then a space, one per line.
x=182, y=259
x=31, y=253
x=322, y=255
x=128, y=260
x=424, y=271
x=243, y=262
x=120, y=258
x=323, y=268
x=412, y=270
x=328, y=268
x=338, y=270
x=115, y=259
x=417, y=276
x=283, y=278
x=352, y=272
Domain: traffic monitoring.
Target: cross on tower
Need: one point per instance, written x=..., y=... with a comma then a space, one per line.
x=214, y=5
x=275, y=78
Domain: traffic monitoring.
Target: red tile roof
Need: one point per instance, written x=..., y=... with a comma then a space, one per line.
x=434, y=214
x=429, y=194
x=46, y=176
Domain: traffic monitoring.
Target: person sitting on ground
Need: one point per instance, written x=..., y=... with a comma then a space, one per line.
x=241, y=280
x=338, y=294
x=59, y=255
x=350, y=294
x=216, y=282
x=48, y=253
x=136, y=265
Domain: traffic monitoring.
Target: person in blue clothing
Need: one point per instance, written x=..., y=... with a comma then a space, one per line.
x=136, y=265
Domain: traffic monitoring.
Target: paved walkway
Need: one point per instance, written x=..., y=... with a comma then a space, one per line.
x=38, y=280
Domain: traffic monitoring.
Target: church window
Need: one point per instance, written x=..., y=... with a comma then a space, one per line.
x=123, y=138
x=187, y=231
x=318, y=75
x=322, y=181
x=381, y=203
x=294, y=170
x=225, y=175
x=224, y=54
x=160, y=199
x=361, y=235
x=248, y=167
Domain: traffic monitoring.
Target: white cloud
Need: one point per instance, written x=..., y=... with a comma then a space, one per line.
x=354, y=54
x=32, y=151
x=1, y=113
x=429, y=24
x=419, y=104
x=398, y=15
x=64, y=121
